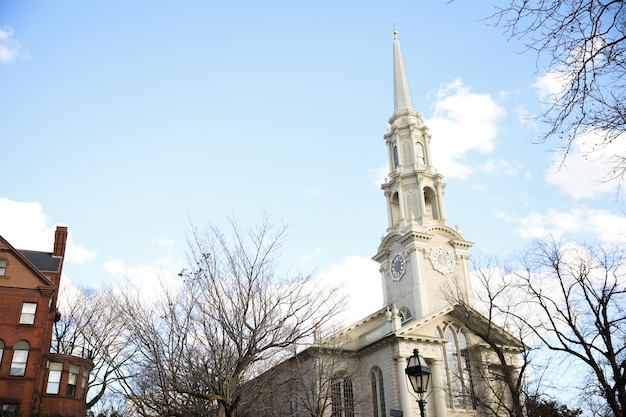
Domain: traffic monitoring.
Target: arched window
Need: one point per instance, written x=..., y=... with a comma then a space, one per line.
x=431, y=203
x=342, y=398
x=395, y=209
x=396, y=159
x=20, y=357
x=3, y=267
x=378, y=392
x=405, y=314
x=419, y=153
x=456, y=364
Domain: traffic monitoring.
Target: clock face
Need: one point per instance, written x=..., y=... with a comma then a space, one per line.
x=441, y=260
x=397, y=266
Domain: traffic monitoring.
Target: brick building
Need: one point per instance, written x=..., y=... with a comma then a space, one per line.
x=33, y=380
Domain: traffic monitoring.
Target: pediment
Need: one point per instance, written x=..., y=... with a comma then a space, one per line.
x=454, y=236
x=464, y=317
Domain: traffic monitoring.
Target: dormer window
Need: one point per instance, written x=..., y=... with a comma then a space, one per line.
x=3, y=267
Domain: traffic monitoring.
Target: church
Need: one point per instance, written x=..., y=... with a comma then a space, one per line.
x=428, y=307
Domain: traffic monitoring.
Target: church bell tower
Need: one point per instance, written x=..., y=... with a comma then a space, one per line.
x=423, y=261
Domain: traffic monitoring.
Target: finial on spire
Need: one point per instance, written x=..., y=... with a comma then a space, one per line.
x=395, y=32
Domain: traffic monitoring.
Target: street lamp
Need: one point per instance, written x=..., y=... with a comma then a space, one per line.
x=419, y=375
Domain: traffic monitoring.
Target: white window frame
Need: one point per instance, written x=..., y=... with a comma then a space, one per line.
x=3, y=267
x=55, y=370
x=20, y=358
x=72, y=380
x=29, y=311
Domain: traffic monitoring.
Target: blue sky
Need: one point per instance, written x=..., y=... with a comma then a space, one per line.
x=124, y=120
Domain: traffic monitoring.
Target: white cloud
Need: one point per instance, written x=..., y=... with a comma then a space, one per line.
x=308, y=257
x=164, y=243
x=500, y=167
x=26, y=226
x=583, y=172
x=525, y=118
x=360, y=281
x=550, y=86
x=602, y=225
x=379, y=175
x=10, y=48
x=149, y=279
x=463, y=121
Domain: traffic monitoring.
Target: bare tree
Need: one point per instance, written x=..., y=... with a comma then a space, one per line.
x=578, y=297
x=232, y=318
x=308, y=383
x=88, y=327
x=584, y=44
x=499, y=380
x=158, y=331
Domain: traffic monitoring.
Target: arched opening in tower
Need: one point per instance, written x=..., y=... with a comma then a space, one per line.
x=431, y=203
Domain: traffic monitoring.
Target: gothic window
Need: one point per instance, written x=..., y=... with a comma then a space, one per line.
x=20, y=357
x=378, y=392
x=419, y=153
x=456, y=367
x=55, y=369
x=28, y=313
x=342, y=398
x=3, y=267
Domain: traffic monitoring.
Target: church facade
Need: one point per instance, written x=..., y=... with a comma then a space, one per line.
x=428, y=305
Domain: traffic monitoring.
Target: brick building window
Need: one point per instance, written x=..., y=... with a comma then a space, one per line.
x=9, y=409
x=3, y=267
x=28, y=313
x=72, y=379
x=1, y=350
x=20, y=357
x=55, y=369
x=83, y=384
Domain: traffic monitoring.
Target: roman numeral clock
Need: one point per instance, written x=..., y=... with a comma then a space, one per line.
x=441, y=260
x=398, y=264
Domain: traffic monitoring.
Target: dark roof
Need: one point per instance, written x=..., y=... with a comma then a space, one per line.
x=44, y=261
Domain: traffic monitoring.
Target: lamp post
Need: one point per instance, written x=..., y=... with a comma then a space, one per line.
x=419, y=375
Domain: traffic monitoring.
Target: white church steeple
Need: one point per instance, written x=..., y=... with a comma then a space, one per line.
x=421, y=257
x=414, y=190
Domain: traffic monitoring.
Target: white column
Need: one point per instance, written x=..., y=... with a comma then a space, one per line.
x=440, y=204
x=437, y=388
x=401, y=202
x=406, y=401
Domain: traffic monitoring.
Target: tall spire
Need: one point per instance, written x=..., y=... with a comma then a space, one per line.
x=401, y=93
